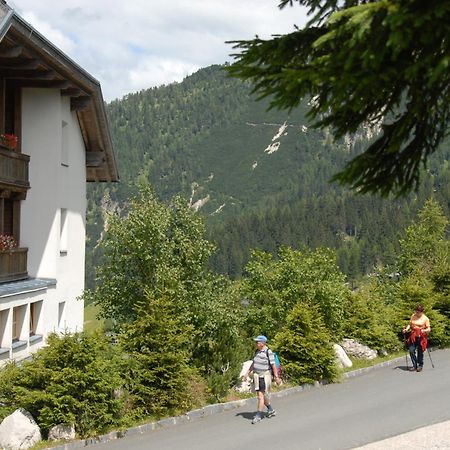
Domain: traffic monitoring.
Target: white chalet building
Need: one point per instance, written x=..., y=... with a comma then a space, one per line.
x=56, y=111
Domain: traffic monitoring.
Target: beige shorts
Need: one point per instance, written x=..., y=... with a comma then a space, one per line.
x=262, y=382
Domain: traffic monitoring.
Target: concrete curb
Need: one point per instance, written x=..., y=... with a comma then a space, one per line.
x=208, y=410
x=357, y=372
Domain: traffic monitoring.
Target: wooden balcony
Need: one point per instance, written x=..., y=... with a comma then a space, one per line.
x=13, y=264
x=13, y=170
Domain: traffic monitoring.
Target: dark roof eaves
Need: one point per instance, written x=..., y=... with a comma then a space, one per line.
x=5, y=25
x=46, y=43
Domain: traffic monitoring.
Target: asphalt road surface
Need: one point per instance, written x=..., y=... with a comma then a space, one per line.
x=382, y=403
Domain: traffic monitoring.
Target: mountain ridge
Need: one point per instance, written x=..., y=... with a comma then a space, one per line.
x=260, y=177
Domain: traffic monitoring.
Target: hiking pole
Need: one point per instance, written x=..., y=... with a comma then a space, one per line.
x=429, y=354
x=406, y=354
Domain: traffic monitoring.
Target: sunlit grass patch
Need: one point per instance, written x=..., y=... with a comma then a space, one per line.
x=360, y=363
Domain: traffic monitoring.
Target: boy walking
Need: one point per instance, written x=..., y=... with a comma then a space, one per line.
x=263, y=366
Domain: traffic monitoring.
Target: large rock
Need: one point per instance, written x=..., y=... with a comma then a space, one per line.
x=354, y=348
x=61, y=433
x=19, y=431
x=341, y=357
x=245, y=386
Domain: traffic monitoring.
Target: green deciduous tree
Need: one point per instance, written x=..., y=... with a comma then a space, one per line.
x=425, y=247
x=364, y=63
x=158, y=251
x=218, y=350
x=425, y=254
x=155, y=247
x=275, y=286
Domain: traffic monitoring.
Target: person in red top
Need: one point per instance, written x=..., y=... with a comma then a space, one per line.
x=418, y=329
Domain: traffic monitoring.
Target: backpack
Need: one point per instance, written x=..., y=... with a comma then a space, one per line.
x=277, y=363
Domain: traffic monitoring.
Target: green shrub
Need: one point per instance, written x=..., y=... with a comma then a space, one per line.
x=304, y=346
x=417, y=290
x=218, y=350
x=159, y=346
x=369, y=320
x=71, y=381
x=8, y=376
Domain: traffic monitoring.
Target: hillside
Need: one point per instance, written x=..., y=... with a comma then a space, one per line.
x=259, y=177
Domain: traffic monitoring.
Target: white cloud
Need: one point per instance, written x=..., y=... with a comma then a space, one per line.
x=155, y=72
x=139, y=44
x=55, y=36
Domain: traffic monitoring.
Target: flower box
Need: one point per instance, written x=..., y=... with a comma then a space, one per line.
x=14, y=168
x=9, y=141
x=13, y=264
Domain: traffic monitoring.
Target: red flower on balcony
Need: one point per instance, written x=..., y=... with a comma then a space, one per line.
x=7, y=242
x=9, y=141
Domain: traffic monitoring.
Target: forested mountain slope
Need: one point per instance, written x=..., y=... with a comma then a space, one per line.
x=260, y=177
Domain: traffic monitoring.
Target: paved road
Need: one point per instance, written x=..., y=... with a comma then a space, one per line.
x=432, y=437
x=380, y=404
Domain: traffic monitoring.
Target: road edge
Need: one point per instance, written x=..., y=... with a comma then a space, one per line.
x=207, y=411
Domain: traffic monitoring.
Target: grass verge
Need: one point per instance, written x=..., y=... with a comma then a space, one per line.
x=359, y=363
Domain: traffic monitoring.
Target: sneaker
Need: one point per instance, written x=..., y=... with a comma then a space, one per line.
x=412, y=369
x=256, y=419
x=419, y=369
x=271, y=413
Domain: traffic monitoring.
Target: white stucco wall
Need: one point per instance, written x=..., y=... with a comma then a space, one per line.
x=54, y=186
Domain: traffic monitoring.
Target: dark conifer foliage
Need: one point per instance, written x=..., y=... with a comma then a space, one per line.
x=263, y=176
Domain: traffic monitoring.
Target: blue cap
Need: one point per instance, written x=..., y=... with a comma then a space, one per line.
x=260, y=338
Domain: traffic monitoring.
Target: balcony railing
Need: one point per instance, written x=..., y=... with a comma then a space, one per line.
x=14, y=168
x=13, y=264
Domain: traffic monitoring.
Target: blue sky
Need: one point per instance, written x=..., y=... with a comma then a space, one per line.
x=137, y=44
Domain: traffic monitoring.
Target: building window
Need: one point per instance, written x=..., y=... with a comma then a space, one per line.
x=64, y=233
x=3, y=323
x=35, y=314
x=17, y=322
x=64, y=144
x=15, y=325
x=12, y=111
x=10, y=213
x=62, y=316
